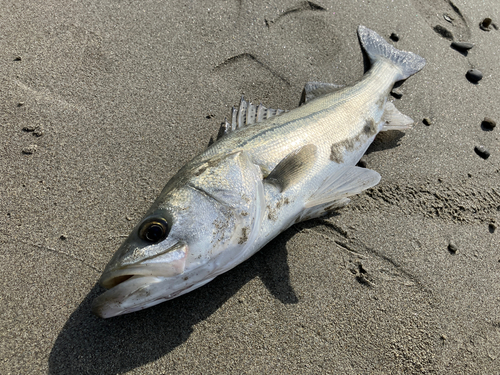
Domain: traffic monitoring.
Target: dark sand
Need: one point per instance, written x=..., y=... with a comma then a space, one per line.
x=123, y=93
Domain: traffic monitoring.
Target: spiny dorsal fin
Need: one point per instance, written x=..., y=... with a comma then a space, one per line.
x=247, y=114
x=313, y=90
x=293, y=167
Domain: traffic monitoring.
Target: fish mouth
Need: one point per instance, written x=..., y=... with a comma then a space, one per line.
x=114, y=281
x=168, y=263
x=132, y=294
x=140, y=285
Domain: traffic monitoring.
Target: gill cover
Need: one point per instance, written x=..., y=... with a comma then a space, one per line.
x=235, y=182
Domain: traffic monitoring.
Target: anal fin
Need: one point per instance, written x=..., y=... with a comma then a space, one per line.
x=395, y=120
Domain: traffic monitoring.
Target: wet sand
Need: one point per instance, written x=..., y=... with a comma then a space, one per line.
x=101, y=103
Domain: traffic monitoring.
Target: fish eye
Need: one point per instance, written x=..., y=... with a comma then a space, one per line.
x=154, y=230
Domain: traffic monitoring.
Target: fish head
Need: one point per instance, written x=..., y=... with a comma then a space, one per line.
x=200, y=226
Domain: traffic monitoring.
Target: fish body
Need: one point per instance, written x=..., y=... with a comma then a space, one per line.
x=270, y=169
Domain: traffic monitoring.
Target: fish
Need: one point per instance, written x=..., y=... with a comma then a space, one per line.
x=269, y=170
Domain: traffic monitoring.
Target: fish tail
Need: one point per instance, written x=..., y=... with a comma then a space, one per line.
x=375, y=46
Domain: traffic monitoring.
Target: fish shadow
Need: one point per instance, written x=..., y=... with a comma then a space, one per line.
x=91, y=345
x=385, y=140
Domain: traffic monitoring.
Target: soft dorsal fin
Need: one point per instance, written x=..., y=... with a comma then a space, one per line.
x=247, y=114
x=293, y=167
x=313, y=90
x=395, y=120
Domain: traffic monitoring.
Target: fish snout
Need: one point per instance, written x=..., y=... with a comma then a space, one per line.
x=167, y=263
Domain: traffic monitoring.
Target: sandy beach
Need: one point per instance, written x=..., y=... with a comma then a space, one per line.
x=101, y=103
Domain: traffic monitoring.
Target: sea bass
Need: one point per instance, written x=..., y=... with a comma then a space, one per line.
x=269, y=170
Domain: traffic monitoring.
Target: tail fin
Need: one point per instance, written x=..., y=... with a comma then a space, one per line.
x=375, y=46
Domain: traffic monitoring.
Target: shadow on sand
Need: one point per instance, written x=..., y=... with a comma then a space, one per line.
x=90, y=345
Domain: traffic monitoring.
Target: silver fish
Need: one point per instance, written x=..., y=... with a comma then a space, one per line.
x=270, y=169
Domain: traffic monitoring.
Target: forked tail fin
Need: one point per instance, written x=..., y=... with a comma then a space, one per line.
x=375, y=46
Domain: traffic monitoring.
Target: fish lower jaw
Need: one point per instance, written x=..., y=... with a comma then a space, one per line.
x=115, y=277
x=140, y=292
x=132, y=293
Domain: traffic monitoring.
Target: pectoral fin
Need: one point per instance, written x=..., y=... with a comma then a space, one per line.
x=293, y=167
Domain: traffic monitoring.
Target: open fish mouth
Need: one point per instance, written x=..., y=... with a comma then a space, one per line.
x=168, y=263
x=114, y=281
x=130, y=293
x=141, y=285
x=114, y=278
